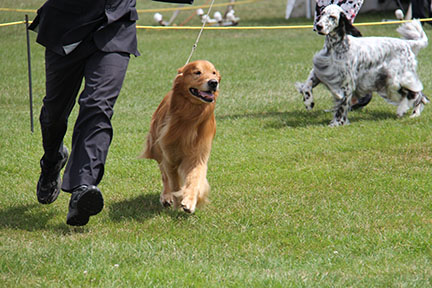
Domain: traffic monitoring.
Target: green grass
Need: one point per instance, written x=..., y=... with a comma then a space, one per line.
x=294, y=203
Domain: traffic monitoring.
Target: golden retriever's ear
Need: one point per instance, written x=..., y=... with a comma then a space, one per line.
x=179, y=75
x=180, y=70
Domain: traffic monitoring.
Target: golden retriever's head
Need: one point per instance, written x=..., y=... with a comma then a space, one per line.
x=199, y=80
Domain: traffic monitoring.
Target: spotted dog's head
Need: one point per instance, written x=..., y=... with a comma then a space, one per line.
x=333, y=20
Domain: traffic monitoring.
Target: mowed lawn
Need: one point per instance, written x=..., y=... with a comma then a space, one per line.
x=294, y=203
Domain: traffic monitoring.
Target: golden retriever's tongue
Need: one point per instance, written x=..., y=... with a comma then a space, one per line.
x=206, y=95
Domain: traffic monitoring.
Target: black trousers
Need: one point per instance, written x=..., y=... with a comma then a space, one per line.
x=420, y=7
x=103, y=74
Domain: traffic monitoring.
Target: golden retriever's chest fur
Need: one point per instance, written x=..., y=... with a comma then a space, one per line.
x=182, y=138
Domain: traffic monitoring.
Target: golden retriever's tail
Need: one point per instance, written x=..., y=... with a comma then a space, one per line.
x=144, y=155
x=147, y=152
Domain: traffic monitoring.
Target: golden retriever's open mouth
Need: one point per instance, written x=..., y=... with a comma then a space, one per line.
x=206, y=96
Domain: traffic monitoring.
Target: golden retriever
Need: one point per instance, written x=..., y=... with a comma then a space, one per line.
x=181, y=135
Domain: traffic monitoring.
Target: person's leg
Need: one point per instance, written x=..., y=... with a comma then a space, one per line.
x=429, y=8
x=64, y=75
x=104, y=75
x=63, y=80
x=418, y=9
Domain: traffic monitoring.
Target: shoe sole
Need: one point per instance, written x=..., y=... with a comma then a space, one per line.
x=89, y=204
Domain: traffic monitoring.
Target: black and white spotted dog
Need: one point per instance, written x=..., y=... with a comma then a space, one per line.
x=355, y=66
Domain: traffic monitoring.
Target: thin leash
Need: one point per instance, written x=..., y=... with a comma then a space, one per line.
x=194, y=47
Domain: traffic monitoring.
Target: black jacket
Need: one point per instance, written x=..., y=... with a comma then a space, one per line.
x=111, y=23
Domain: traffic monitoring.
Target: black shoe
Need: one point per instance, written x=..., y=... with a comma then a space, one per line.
x=48, y=186
x=85, y=201
x=362, y=102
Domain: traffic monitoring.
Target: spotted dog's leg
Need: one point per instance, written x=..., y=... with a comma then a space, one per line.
x=410, y=99
x=419, y=104
x=425, y=99
x=403, y=104
x=341, y=111
x=306, y=90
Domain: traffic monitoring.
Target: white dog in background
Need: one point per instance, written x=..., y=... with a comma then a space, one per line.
x=354, y=66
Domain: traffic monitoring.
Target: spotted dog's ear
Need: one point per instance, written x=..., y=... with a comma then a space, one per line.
x=344, y=22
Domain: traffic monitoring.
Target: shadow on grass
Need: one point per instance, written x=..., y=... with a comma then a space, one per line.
x=299, y=119
x=141, y=208
x=24, y=217
x=34, y=217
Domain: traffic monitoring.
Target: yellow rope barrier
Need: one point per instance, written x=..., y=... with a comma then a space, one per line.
x=241, y=27
x=223, y=27
x=387, y=22
x=266, y=27
x=12, y=23
x=18, y=10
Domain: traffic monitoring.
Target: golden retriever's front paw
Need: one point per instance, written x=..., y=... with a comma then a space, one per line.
x=188, y=205
x=166, y=200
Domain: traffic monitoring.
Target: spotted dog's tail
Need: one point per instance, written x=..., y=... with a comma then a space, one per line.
x=414, y=34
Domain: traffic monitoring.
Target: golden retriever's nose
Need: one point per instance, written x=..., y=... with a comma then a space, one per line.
x=213, y=84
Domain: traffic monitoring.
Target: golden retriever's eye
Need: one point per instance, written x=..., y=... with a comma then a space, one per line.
x=198, y=73
x=214, y=72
